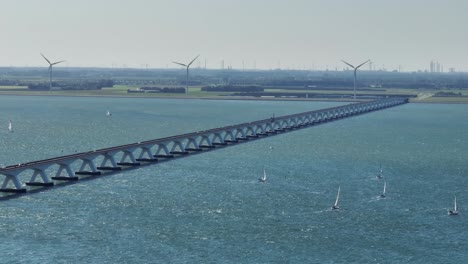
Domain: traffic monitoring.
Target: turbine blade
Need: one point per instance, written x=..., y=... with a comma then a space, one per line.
x=45, y=58
x=349, y=64
x=58, y=62
x=193, y=60
x=50, y=67
x=181, y=64
x=362, y=64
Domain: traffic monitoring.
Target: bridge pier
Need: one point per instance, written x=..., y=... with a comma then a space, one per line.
x=109, y=157
x=191, y=141
x=229, y=136
x=128, y=155
x=240, y=134
x=45, y=180
x=12, y=178
x=208, y=143
x=88, y=162
x=178, y=148
x=65, y=166
x=163, y=151
x=250, y=132
x=146, y=151
x=218, y=139
x=207, y=146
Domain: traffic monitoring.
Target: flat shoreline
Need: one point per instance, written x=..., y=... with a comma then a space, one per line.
x=233, y=98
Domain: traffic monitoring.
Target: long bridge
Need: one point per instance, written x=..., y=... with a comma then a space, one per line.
x=110, y=160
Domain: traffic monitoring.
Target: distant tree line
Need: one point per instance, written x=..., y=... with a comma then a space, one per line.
x=232, y=88
x=448, y=94
x=38, y=86
x=316, y=95
x=150, y=88
x=77, y=85
x=410, y=85
x=334, y=84
x=155, y=89
x=8, y=82
x=310, y=83
x=461, y=84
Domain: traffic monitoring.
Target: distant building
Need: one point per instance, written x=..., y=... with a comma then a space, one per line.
x=435, y=66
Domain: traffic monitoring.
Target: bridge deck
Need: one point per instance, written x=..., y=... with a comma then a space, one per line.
x=195, y=142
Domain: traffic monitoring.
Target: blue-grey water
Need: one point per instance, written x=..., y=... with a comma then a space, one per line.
x=209, y=208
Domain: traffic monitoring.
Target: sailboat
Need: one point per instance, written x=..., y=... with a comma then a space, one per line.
x=455, y=209
x=108, y=113
x=384, y=188
x=10, y=126
x=380, y=174
x=263, y=178
x=335, y=206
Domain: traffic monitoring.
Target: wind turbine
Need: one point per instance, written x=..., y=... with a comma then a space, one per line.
x=187, y=66
x=355, y=69
x=50, y=69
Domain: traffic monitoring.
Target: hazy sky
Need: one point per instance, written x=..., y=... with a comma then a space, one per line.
x=271, y=33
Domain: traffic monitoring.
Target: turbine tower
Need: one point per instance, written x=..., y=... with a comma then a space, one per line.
x=187, y=66
x=355, y=70
x=50, y=69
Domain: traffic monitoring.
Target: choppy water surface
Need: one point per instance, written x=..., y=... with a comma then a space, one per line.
x=209, y=208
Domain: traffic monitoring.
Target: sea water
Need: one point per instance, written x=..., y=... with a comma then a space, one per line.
x=210, y=208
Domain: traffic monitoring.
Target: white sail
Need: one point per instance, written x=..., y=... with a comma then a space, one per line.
x=455, y=205
x=263, y=178
x=337, y=197
x=108, y=113
x=10, y=126
x=455, y=208
x=384, y=190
